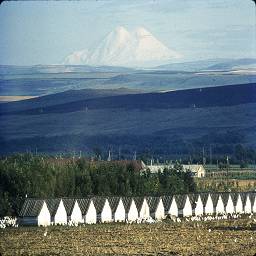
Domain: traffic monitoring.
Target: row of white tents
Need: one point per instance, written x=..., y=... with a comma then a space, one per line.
x=44, y=212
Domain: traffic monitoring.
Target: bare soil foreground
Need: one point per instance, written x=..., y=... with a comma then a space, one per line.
x=232, y=237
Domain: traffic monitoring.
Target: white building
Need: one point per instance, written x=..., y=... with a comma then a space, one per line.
x=197, y=170
x=131, y=211
x=117, y=208
x=103, y=209
x=88, y=210
x=58, y=211
x=142, y=207
x=35, y=212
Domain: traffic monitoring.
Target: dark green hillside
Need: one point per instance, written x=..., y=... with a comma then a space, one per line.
x=175, y=124
x=63, y=98
x=192, y=98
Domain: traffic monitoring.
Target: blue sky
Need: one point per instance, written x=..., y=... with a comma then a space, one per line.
x=45, y=32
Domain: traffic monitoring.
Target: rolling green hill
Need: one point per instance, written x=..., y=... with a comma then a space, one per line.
x=176, y=123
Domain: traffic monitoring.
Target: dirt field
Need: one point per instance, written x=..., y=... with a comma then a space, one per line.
x=234, y=237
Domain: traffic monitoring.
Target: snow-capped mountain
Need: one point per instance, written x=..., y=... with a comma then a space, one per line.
x=123, y=48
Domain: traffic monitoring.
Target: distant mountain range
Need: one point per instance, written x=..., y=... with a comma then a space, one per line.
x=211, y=65
x=120, y=47
x=193, y=66
x=49, y=79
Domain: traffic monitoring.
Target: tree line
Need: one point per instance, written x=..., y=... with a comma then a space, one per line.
x=27, y=175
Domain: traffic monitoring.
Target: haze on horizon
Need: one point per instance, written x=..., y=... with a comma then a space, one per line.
x=46, y=32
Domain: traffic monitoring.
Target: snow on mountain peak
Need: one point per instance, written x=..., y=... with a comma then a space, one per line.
x=140, y=32
x=123, y=48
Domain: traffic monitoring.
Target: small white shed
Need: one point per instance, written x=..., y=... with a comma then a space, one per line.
x=156, y=207
x=103, y=209
x=131, y=211
x=35, y=212
x=88, y=210
x=58, y=211
x=117, y=208
x=142, y=207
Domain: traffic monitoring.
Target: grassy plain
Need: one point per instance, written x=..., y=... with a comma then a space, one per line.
x=231, y=237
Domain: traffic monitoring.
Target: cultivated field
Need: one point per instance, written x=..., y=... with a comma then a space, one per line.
x=232, y=237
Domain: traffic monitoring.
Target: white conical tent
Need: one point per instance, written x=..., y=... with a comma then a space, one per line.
x=247, y=205
x=174, y=211
x=76, y=215
x=220, y=208
x=239, y=204
x=208, y=208
x=60, y=216
x=187, y=210
x=230, y=208
x=199, y=207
